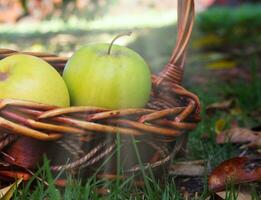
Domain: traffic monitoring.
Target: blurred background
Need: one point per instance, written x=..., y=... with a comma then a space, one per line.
x=223, y=64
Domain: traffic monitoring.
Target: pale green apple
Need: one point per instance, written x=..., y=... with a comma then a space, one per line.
x=119, y=79
x=30, y=78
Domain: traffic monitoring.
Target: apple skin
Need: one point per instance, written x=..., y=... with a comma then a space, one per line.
x=117, y=80
x=30, y=78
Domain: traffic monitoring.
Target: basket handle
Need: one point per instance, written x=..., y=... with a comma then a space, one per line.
x=173, y=71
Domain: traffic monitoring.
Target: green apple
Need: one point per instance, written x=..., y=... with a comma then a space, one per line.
x=30, y=78
x=107, y=76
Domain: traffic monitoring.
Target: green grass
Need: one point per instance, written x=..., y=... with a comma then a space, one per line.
x=239, y=26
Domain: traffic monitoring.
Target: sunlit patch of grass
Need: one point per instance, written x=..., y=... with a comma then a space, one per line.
x=152, y=19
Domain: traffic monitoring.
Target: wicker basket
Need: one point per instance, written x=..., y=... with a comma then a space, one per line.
x=89, y=136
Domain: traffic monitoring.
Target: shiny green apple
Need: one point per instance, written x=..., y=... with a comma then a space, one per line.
x=30, y=78
x=118, y=78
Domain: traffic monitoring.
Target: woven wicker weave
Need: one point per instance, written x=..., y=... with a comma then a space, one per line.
x=89, y=135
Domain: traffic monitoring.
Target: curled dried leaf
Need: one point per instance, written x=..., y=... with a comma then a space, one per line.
x=224, y=195
x=223, y=105
x=236, y=170
x=240, y=136
x=7, y=192
x=188, y=168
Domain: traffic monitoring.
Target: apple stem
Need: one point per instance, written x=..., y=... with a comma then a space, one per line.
x=118, y=36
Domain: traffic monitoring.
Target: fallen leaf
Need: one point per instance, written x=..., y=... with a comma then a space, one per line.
x=207, y=40
x=222, y=64
x=239, y=195
x=255, y=144
x=223, y=105
x=224, y=195
x=220, y=125
x=236, y=170
x=188, y=168
x=7, y=192
x=240, y=136
x=236, y=111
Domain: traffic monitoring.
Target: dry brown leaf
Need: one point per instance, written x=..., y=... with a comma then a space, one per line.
x=240, y=136
x=236, y=170
x=222, y=195
x=188, y=168
x=7, y=192
x=223, y=105
x=256, y=143
x=240, y=195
